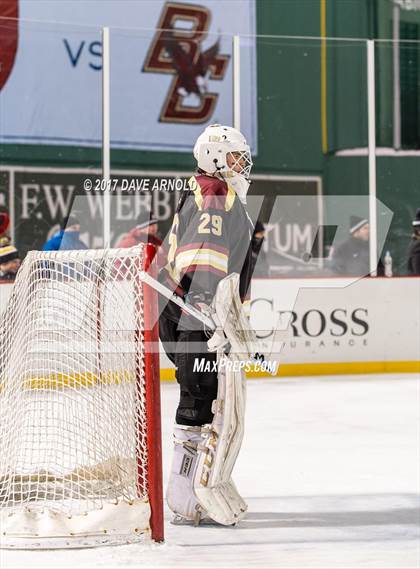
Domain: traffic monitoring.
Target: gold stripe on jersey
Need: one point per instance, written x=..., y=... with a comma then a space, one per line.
x=201, y=257
x=172, y=239
x=195, y=187
x=8, y=249
x=230, y=198
x=173, y=273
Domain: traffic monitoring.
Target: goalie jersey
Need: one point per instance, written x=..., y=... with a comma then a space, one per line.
x=210, y=238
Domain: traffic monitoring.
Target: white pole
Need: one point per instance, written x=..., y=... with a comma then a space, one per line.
x=396, y=76
x=372, y=156
x=106, y=146
x=236, y=82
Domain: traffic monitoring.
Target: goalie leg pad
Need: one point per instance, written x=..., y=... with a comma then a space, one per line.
x=180, y=496
x=200, y=483
x=213, y=487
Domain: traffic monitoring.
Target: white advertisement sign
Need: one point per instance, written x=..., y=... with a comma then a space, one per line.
x=165, y=86
x=367, y=325
x=339, y=320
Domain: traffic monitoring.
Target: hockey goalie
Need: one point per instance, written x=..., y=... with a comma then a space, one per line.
x=209, y=266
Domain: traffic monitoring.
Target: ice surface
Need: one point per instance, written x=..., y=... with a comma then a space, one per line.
x=329, y=468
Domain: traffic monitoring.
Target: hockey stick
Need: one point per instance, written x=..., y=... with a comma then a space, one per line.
x=170, y=295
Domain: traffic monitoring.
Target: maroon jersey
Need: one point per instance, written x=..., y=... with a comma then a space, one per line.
x=210, y=238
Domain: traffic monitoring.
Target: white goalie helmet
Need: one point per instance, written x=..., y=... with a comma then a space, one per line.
x=223, y=150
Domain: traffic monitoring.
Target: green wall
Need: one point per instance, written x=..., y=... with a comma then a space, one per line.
x=289, y=107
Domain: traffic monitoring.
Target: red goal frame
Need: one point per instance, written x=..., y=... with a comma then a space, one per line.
x=153, y=405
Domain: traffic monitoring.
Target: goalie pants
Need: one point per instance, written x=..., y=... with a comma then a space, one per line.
x=198, y=386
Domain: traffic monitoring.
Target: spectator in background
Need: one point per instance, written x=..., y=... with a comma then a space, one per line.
x=260, y=269
x=4, y=222
x=414, y=249
x=9, y=260
x=68, y=238
x=146, y=231
x=352, y=256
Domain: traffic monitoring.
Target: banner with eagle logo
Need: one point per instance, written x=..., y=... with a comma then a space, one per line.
x=171, y=71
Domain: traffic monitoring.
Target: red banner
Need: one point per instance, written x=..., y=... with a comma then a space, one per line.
x=8, y=38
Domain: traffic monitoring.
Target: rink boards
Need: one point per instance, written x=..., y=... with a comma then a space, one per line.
x=330, y=326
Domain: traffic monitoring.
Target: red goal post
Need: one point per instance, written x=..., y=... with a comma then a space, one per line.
x=153, y=404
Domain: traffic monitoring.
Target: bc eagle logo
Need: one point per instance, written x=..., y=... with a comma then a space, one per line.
x=178, y=51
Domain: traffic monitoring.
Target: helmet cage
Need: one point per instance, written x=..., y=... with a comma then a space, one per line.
x=240, y=163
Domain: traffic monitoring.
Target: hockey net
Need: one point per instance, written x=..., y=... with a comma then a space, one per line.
x=80, y=418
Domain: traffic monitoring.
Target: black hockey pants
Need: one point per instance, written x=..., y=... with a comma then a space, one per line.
x=194, y=372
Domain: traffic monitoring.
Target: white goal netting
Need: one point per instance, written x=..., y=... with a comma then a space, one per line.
x=73, y=432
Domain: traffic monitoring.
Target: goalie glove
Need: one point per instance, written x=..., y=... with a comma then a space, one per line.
x=218, y=341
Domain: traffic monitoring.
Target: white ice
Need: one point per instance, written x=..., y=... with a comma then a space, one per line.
x=329, y=468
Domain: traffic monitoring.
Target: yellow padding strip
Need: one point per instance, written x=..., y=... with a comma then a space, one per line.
x=167, y=374
x=87, y=379
x=335, y=368
x=75, y=380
